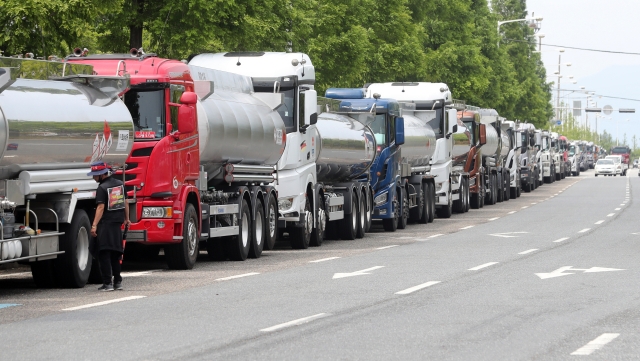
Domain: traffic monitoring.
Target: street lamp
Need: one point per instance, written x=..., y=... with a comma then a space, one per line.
x=540, y=36
x=559, y=77
x=534, y=23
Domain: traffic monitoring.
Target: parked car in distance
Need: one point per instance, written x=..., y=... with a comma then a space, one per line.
x=617, y=161
x=605, y=167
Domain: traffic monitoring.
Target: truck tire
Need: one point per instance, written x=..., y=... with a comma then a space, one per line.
x=272, y=224
x=404, y=215
x=490, y=199
x=43, y=273
x=369, y=213
x=458, y=205
x=237, y=247
x=300, y=237
x=72, y=268
x=500, y=185
x=416, y=214
x=425, y=204
x=349, y=226
x=317, y=236
x=432, y=201
x=447, y=210
x=513, y=192
x=507, y=186
x=362, y=216
x=258, y=231
x=391, y=224
x=183, y=255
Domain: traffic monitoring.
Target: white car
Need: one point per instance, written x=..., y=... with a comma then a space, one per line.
x=617, y=161
x=606, y=167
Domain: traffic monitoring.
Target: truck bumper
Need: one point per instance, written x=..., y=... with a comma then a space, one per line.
x=384, y=210
x=525, y=177
x=153, y=231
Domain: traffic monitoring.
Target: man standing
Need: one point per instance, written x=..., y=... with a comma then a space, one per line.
x=111, y=214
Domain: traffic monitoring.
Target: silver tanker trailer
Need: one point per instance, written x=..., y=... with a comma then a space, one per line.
x=494, y=153
x=51, y=130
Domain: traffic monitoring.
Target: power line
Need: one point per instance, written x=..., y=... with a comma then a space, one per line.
x=575, y=48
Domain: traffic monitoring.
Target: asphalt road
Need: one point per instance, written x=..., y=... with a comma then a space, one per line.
x=552, y=275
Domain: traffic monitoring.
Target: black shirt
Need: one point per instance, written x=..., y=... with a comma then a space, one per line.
x=111, y=193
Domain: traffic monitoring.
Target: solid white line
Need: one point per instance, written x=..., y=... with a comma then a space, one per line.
x=512, y=212
x=16, y=274
x=435, y=235
x=596, y=344
x=104, y=303
x=599, y=222
x=610, y=214
x=494, y=218
x=138, y=274
x=467, y=227
x=237, y=276
x=561, y=239
x=324, y=259
x=617, y=209
x=529, y=251
x=297, y=322
x=417, y=288
x=482, y=266
x=584, y=230
x=385, y=247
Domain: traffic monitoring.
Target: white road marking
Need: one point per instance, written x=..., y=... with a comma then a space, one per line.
x=324, y=259
x=15, y=274
x=525, y=207
x=560, y=271
x=595, y=345
x=599, y=222
x=622, y=204
x=610, y=214
x=494, y=218
x=507, y=234
x=297, y=322
x=512, y=212
x=138, y=274
x=617, y=209
x=405, y=237
x=237, y=276
x=534, y=203
x=130, y=298
x=529, y=251
x=435, y=235
x=467, y=227
x=385, y=247
x=356, y=273
x=482, y=266
x=561, y=239
x=584, y=230
x=417, y=288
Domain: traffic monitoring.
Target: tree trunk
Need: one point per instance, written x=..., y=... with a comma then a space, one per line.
x=135, y=29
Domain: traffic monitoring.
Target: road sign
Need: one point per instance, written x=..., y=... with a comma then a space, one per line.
x=356, y=273
x=560, y=271
x=558, y=122
x=607, y=109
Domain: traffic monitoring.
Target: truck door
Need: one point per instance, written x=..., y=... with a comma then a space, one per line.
x=183, y=147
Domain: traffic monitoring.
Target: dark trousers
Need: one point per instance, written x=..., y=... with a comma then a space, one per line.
x=110, y=266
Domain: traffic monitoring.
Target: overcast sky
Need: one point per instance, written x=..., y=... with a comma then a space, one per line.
x=612, y=25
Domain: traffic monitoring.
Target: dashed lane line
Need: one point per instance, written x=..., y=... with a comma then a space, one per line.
x=512, y=212
x=523, y=207
x=617, y=209
x=417, y=288
x=324, y=259
x=610, y=214
x=584, y=230
x=130, y=298
x=561, y=240
x=386, y=247
x=494, y=218
x=528, y=251
x=237, y=276
x=297, y=322
x=467, y=227
x=595, y=345
x=599, y=222
x=482, y=266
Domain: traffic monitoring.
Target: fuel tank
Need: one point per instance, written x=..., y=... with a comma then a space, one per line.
x=235, y=126
x=61, y=125
x=419, y=142
x=346, y=149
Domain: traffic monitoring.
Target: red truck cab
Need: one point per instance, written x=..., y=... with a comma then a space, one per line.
x=163, y=166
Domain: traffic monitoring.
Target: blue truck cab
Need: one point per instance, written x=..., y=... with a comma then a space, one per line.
x=383, y=117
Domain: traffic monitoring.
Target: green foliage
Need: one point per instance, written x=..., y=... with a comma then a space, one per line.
x=351, y=42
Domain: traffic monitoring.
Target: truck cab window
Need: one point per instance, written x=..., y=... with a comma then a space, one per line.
x=469, y=124
x=147, y=108
x=392, y=129
x=176, y=93
x=380, y=130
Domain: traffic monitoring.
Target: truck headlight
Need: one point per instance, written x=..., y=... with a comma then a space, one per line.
x=285, y=203
x=157, y=212
x=380, y=199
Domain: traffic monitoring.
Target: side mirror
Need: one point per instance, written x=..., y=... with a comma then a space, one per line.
x=454, y=129
x=483, y=134
x=399, y=131
x=188, y=98
x=186, y=118
x=532, y=142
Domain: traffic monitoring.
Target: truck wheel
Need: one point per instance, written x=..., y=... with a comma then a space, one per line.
x=499, y=194
x=349, y=227
x=513, y=192
x=391, y=224
x=402, y=221
x=300, y=237
x=432, y=201
x=468, y=197
x=43, y=273
x=271, y=234
x=321, y=224
x=74, y=266
x=507, y=187
x=458, y=205
x=258, y=231
x=425, y=205
x=362, y=218
x=237, y=247
x=446, y=211
x=416, y=214
x=368, y=214
x=184, y=254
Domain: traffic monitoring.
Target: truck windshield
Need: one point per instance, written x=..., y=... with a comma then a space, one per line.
x=435, y=120
x=379, y=128
x=469, y=124
x=545, y=143
x=147, y=108
x=287, y=109
x=572, y=150
x=620, y=150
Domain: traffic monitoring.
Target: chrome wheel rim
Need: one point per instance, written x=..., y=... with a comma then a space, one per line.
x=82, y=248
x=245, y=230
x=272, y=222
x=259, y=230
x=192, y=236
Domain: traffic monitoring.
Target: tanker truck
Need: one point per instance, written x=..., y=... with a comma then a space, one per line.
x=474, y=166
x=563, y=144
x=512, y=162
x=51, y=132
x=403, y=188
x=547, y=158
x=576, y=157
x=528, y=165
x=494, y=154
x=558, y=155
x=317, y=172
x=453, y=140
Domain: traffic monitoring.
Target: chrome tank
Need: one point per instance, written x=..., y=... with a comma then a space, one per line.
x=493, y=147
x=461, y=145
x=347, y=148
x=236, y=127
x=57, y=125
x=419, y=142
